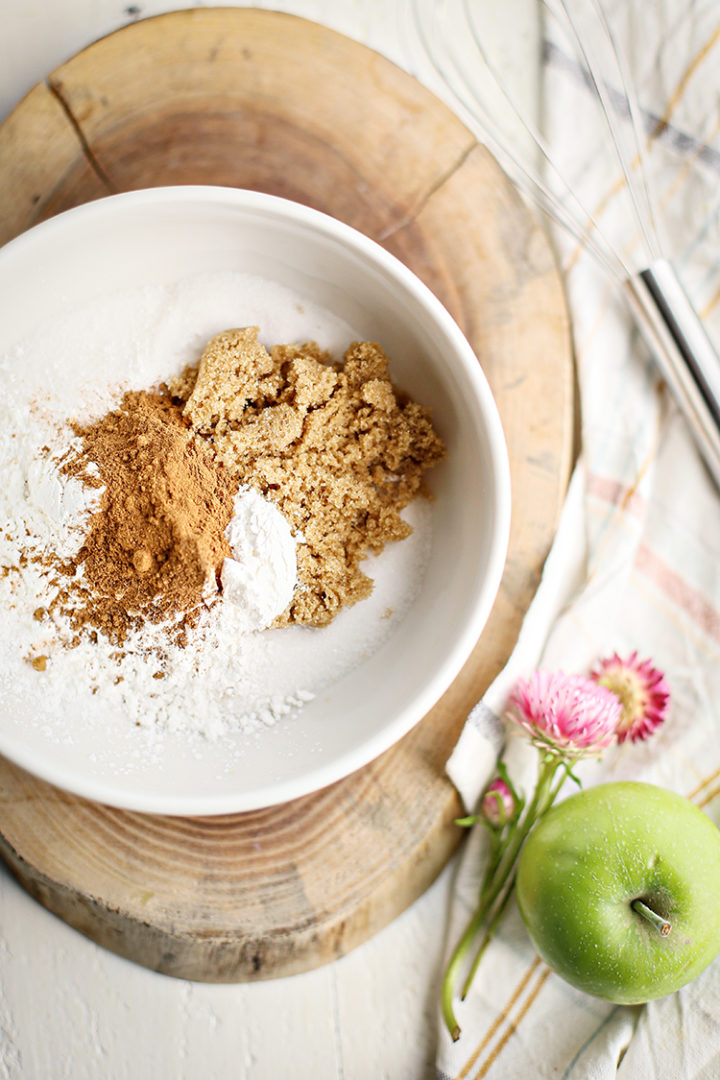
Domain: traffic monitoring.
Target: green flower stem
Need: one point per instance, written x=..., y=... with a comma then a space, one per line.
x=497, y=847
x=556, y=789
x=453, y=970
x=496, y=877
x=488, y=936
x=498, y=844
x=540, y=802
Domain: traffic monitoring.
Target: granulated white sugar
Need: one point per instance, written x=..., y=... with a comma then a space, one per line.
x=225, y=679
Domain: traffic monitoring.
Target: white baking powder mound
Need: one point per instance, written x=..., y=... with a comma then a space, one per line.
x=260, y=578
x=226, y=680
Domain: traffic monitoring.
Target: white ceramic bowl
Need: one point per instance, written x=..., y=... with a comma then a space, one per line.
x=166, y=234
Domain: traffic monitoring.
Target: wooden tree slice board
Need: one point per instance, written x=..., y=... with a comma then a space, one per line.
x=262, y=100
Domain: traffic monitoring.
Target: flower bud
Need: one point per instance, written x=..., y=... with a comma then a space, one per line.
x=498, y=803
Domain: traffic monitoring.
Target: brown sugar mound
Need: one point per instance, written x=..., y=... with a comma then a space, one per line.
x=155, y=547
x=333, y=445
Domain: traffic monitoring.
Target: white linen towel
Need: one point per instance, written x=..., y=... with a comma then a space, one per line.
x=636, y=562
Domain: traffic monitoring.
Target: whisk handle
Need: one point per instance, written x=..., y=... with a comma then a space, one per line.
x=685, y=355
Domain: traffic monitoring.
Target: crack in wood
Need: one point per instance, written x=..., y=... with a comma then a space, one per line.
x=56, y=90
x=391, y=230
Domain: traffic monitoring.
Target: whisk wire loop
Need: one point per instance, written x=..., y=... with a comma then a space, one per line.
x=653, y=232
x=584, y=227
x=665, y=316
x=642, y=213
x=566, y=208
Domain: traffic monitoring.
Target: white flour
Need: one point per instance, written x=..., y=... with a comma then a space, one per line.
x=226, y=679
x=37, y=504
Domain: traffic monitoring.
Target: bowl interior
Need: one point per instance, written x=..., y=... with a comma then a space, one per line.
x=166, y=235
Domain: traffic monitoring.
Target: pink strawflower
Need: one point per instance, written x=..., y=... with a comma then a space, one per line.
x=642, y=690
x=570, y=714
x=498, y=803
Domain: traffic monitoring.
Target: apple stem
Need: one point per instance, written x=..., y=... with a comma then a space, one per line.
x=660, y=924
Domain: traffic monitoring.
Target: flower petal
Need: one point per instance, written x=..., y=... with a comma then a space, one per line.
x=642, y=691
x=569, y=714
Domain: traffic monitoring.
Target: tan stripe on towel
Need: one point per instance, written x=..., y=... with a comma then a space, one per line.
x=676, y=96
x=708, y=780
x=499, y=1020
x=512, y=1027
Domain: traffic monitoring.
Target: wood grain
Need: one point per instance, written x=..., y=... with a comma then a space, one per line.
x=267, y=101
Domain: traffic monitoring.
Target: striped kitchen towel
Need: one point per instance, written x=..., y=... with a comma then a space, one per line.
x=636, y=564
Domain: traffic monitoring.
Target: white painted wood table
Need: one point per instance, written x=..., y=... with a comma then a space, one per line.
x=69, y=1009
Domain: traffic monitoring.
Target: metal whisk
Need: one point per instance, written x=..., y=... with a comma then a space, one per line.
x=452, y=40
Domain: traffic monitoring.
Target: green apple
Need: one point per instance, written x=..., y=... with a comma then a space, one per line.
x=619, y=888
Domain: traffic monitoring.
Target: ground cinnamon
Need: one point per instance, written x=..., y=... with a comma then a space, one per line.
x=155, y=547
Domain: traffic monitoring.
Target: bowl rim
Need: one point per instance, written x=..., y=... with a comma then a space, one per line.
x=353, y=759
